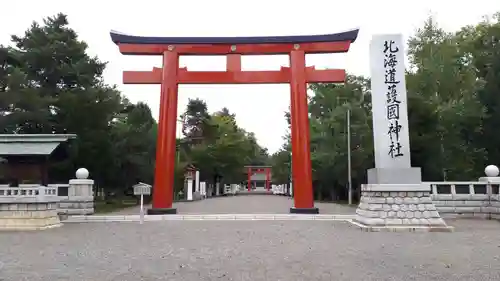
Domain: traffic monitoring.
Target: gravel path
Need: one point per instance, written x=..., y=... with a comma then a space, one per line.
x=247, y=204
x=250, y=250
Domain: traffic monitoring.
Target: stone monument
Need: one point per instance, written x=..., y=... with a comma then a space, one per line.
x=395, y=197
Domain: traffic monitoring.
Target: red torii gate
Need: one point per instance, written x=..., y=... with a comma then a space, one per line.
x=170, y=76
x=250, y=170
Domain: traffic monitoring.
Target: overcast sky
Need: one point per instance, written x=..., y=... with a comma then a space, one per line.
x=258, y=108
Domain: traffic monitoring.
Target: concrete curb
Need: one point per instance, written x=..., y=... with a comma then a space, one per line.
x=401, y=228
x=209, y=217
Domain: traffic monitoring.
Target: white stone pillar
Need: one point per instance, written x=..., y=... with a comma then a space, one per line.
x=491, y=179
x=203, y=189
x=80, y=195
x=189, y=183
x=197, y=182
x=395, y=197
x=210, y=190
x=217, y=189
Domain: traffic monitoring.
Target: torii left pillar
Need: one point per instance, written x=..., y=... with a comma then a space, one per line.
x=166, y=138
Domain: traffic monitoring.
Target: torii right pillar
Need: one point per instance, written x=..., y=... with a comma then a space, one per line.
x=395, y=198
x=300, y=133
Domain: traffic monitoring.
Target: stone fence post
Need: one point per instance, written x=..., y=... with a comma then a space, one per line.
x=80, y=195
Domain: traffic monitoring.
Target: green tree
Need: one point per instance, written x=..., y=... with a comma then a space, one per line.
x=329, y=107
x=452, y=84
x=216, y=145
x=280, y=162
x=442, y=89
x=134, y=137
x=51, y=85
x=196, y=125
x=480, y=45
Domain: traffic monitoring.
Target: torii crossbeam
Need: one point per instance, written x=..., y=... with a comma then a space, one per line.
x=170, y=76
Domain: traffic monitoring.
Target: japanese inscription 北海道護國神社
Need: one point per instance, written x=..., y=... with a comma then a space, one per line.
x=392, y=103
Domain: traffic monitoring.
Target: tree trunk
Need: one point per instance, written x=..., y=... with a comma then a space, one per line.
x=319, y=196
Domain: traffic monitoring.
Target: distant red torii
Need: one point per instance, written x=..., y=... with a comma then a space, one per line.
x=170, y=76
x=258, y=169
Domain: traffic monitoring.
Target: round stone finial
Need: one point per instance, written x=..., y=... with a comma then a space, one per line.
x=82, y=173
x=491, y=171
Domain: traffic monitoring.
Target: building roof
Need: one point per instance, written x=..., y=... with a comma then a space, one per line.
x=31, y=144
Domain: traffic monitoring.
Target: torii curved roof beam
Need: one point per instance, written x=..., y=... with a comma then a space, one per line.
x=349, y=36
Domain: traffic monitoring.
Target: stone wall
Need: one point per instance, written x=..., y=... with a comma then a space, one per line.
x=450, y=199
x=494, y=208
x=70, y=201
x=28, y=208
x=76, y=205
x=466, y=199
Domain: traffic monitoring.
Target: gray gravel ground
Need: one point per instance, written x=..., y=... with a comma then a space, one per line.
x=247, y=204
x=249, y=250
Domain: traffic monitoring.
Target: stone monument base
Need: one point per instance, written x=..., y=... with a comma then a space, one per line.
x=398, y=207
x=394, y=175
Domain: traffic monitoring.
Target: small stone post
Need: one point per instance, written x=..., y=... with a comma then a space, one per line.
x=189, y=176
x=203, y=189
x=197, y=181
x=210, y=191
x=189, y=183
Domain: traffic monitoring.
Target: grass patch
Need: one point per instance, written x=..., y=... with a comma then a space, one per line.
x=340, y=202
x=103, y=207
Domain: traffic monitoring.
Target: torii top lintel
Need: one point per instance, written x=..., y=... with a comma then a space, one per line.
x=260, y=45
